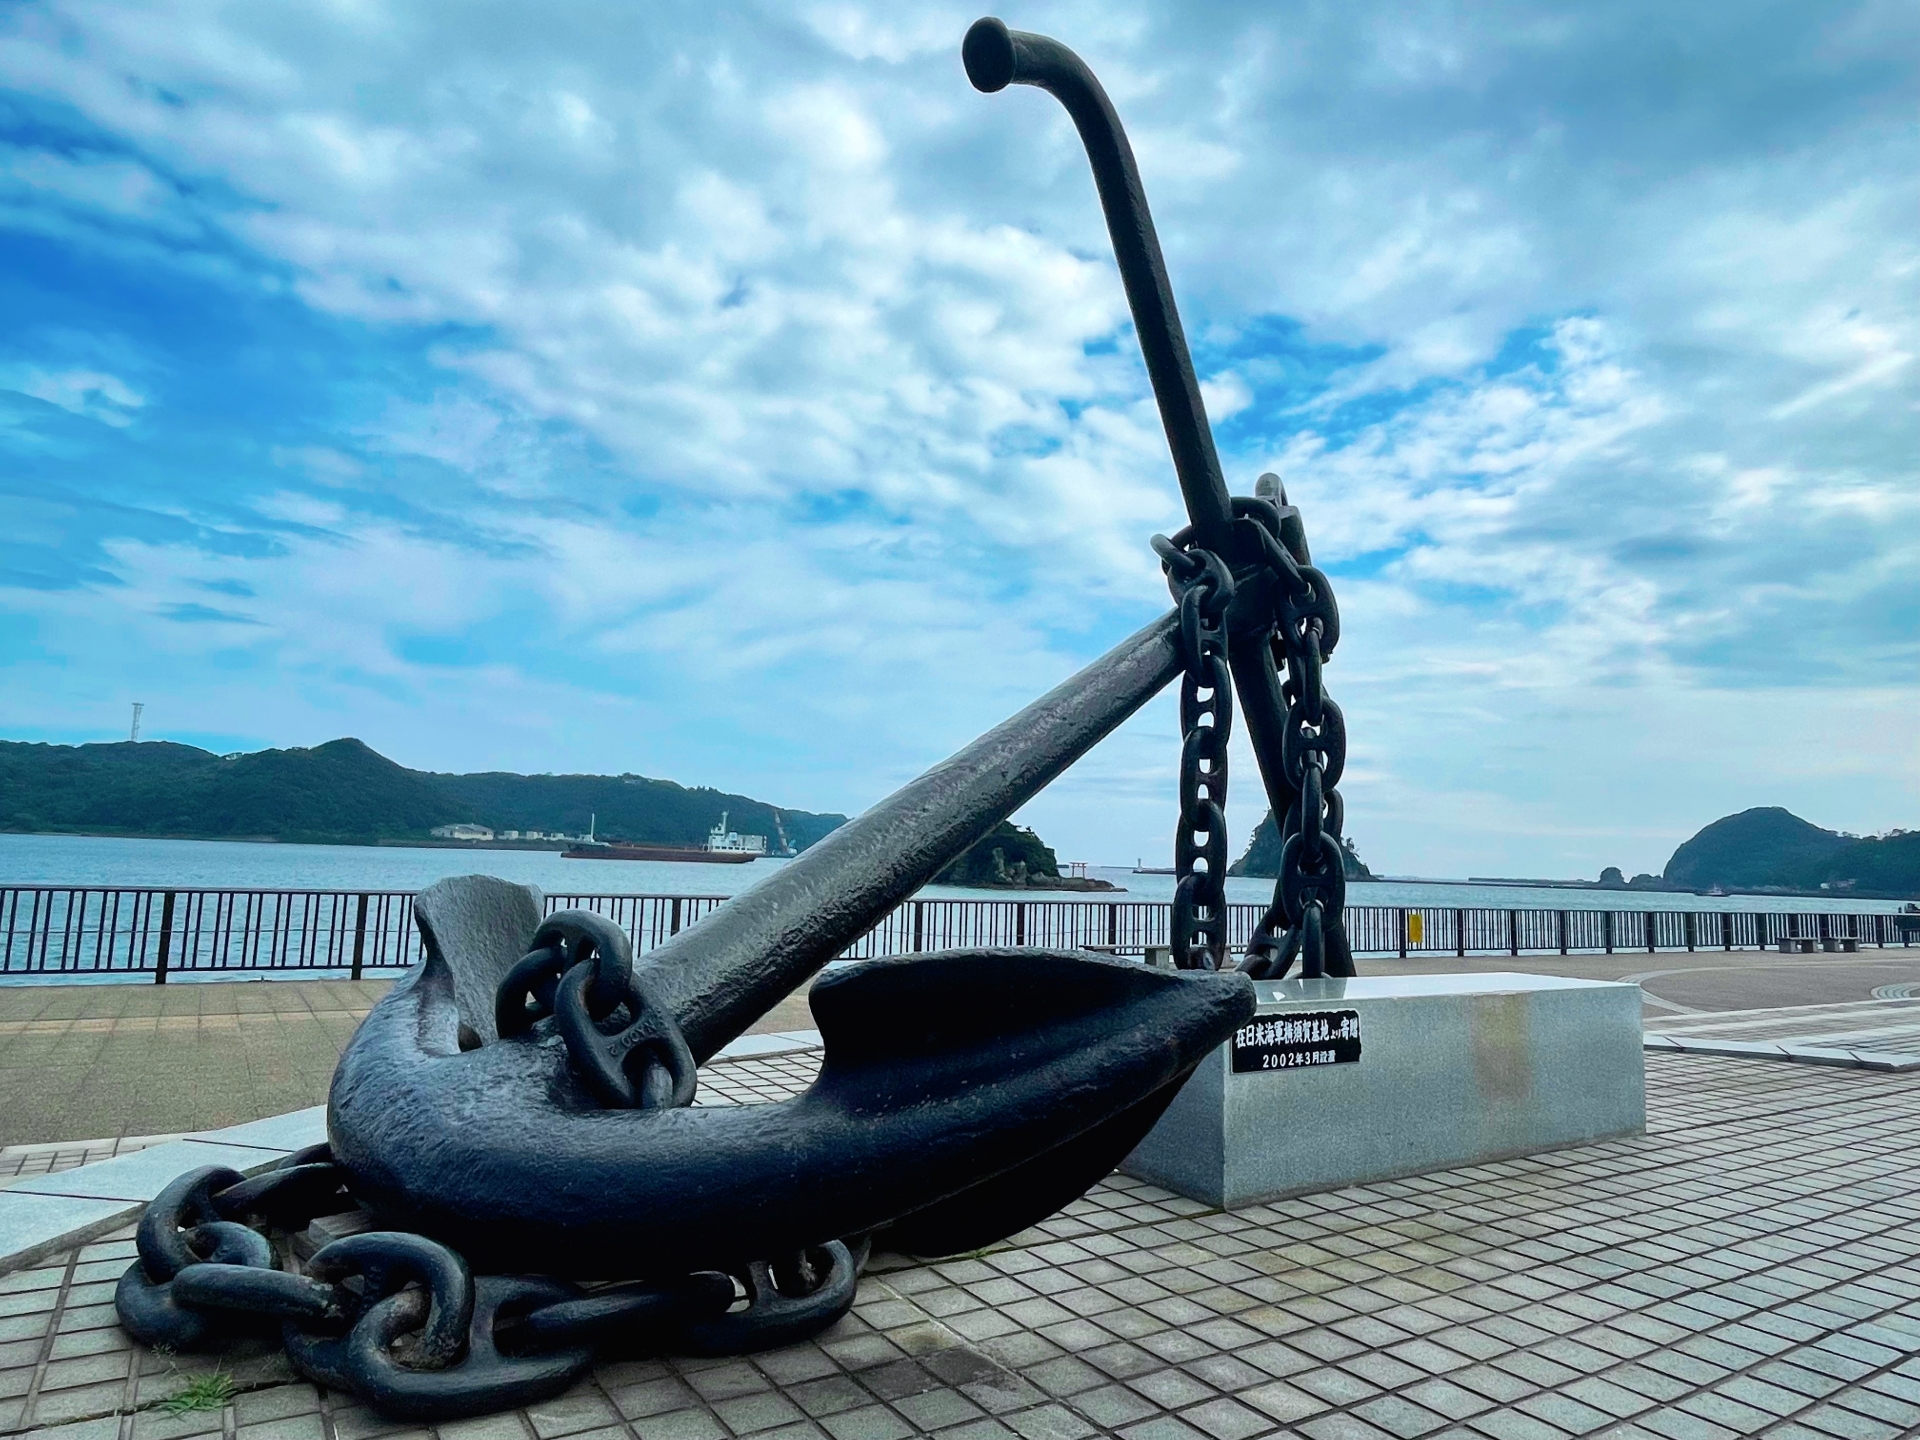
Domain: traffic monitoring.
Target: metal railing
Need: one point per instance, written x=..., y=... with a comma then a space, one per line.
x=48, y=930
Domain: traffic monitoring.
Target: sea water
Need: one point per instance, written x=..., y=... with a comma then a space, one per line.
x=103, y=861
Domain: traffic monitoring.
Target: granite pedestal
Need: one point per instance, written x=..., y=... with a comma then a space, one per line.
x=1343, y=1082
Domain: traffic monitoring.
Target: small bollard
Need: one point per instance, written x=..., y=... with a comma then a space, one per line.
x=1160, y=956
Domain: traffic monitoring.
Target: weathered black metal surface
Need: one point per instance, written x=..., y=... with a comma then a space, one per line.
x=997, y=57
x=940, y=1073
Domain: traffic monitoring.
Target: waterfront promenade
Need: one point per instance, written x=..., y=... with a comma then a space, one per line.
x=103, y=1061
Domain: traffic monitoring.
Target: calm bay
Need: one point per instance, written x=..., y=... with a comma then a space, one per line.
x=109, y=861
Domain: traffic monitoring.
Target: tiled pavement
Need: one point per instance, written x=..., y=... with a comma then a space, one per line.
x=1747, y=1268
x=21, y=1162
x=126, y=1060
x=119, y=1060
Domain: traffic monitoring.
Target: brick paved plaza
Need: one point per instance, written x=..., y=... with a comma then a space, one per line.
x=1746, y=1268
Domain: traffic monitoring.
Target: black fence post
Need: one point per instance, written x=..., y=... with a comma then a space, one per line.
x=1403, y=932
x=1562, y=926
x=1647, y=925
x=1606, y=929
x=920, y=926
x=1692, y=929
x=166, y=940
x=1726, y=930
x=359, y=936
x=1459, y=932
x=1513, y=932
x=673, y=922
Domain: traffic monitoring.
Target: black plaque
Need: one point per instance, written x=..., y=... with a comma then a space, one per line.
x=1293, y=1041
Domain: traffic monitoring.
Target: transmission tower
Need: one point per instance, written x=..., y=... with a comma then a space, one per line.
x=137, y=708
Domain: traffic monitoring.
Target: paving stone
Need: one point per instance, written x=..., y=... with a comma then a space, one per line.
x=1881, y=1407
x=1225, y=1419
x=1514, y=1425
x=1284, y=1402
x=1049, y=1422
x=869, y=1422
x=1162, y=1427
x=1569, y=1414
x=1848, y=1424
x=1698, y=1282
x=1341, y=1427
x=1112, y=1406
x=1445, y=1398
x=1171, y=1389
x=686, y=1425
x=1336, y=1387
x=1400, y=1416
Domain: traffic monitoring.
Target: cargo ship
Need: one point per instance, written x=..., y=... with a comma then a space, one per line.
x=723, y=847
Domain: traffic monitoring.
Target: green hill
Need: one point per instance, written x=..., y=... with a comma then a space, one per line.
x=1771, y=848
x=345, y=792
x=1764, y=846
x=1263, y=854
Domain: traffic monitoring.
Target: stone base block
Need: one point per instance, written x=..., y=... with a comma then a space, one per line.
x=1341, y=1082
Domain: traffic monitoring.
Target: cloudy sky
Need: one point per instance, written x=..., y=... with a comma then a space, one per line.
x=732, y=394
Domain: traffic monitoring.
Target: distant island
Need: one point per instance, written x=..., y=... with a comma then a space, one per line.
x=1012, y=857
x=1262, y=859
x=1771, y=849
x=346, y=793
x=1763, y=851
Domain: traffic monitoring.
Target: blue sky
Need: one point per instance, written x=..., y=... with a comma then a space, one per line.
x=738, y=397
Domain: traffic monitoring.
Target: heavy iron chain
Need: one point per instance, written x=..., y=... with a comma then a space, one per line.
x=1306, y=918
x=1203, y=587
x=399, y=1319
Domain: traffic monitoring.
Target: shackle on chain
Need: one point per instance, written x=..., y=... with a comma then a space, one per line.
x=626, y=1046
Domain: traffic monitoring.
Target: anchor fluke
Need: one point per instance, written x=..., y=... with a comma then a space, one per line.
x=940, y=1073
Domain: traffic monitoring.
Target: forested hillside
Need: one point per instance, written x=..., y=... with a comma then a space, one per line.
x=345, y=792
x=1771, y=848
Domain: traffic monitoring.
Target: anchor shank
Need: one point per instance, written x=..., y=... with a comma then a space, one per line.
x=721, y=975
x=996, y=57
x=1257, y=682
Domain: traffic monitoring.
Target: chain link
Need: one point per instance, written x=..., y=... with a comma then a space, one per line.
x=399, y=1319
x=1203, y=587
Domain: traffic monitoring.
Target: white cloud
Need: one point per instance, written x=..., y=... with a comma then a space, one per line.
x=91, y=393
x=775, y=361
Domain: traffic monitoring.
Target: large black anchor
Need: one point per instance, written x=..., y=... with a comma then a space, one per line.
x=516, y=1113
x=963, y=1095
